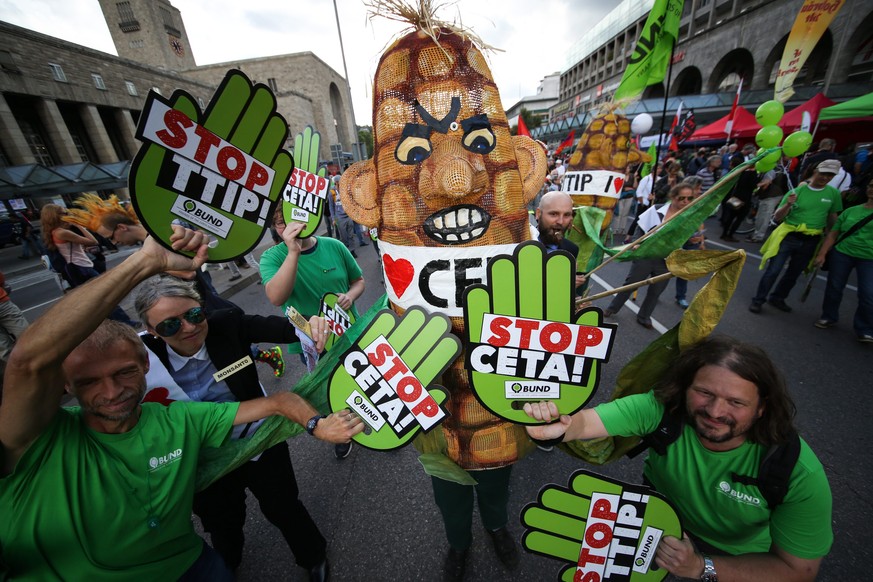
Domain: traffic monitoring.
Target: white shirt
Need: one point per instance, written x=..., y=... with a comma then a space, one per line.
x=644, y=188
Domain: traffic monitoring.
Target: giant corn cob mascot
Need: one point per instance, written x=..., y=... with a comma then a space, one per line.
x=596, y=173
x=446, y=190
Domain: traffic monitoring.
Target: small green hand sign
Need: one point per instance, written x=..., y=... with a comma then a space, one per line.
x=525, y=344
x=607, y=530
x=387, y=376
x=338, y=319
x=306, y=193
x=221, y=172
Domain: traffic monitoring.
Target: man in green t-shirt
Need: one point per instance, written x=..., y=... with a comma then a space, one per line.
x=734, y=406
x=104, y=490
x=805, y=213
x=850, y=243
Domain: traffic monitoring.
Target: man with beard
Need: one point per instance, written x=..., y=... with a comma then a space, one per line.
x=105, y=489
x=734, y=409
x=554, y=217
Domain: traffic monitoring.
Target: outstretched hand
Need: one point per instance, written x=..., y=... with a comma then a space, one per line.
x=546, y=412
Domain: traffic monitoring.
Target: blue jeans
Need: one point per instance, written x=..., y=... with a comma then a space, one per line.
x=796, y=250
x=841, y=266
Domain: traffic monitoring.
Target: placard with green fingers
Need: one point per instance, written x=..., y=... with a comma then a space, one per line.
x=607, y=530
x=338, y=319
x=525, y=341
x=221, y=172
x=306, y=193
x=387, y=377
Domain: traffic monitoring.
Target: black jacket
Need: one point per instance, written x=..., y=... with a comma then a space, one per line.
x=231, y=334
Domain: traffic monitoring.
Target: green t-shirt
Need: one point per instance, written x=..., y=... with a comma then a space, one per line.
x=812, y=207
x=77, y=505
x=729, y=515
x=328, y=267
x=860, y=243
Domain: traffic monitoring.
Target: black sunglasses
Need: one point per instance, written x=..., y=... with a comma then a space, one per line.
x=171, y=326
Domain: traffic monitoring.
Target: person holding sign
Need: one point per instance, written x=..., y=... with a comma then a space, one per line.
x=726, y=407
x=299, y=272
x=209, y=358
x=109, y=485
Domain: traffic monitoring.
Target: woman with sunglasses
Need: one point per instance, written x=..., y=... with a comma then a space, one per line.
x=209, y=360
x=679, y=197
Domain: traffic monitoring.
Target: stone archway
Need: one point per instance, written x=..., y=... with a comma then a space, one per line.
x=340, y=119
x=688, y=82
x=735, y=65
x=652, y=91
x=860, y=46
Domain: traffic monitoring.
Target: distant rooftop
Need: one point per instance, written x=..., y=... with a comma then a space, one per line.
x=613, y=23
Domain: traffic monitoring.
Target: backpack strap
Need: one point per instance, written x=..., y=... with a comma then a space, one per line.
x=665, y=434
x=774, y=473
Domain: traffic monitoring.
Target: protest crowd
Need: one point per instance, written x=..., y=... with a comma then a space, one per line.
x=109, y=419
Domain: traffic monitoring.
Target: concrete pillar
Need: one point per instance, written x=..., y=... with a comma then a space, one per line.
x=97, y=134
x=57, y=132
x=127, y=130
x=14, y=142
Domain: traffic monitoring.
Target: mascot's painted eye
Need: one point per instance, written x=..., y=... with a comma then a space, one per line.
x=414, y=146
x=478, y=136
x=479, y=141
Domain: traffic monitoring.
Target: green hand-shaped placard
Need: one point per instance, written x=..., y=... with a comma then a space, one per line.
x=600, y=526
x=222, y=172
x=387, y=376
x=338, y=319
x=525, y=344
x=306, y=193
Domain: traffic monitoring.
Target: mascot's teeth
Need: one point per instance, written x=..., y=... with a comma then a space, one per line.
x=458, y=224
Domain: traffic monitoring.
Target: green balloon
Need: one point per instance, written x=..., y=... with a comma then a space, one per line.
x=769, y=113
x=796, y=143
x=769, y=136
x=763, y=165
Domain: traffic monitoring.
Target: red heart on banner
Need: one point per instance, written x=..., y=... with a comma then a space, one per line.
x=399, y=273
x=619, y=182
x=160, y=395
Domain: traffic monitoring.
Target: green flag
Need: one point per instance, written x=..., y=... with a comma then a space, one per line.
x=653, y=154
x=673, y=234
x=648, y=64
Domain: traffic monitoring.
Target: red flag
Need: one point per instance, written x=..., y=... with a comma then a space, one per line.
x=730, y=122
x=522, y=128
x=567, y=142
x=674, y=145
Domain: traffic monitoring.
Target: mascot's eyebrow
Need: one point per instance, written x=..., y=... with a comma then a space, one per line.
x=441, y=126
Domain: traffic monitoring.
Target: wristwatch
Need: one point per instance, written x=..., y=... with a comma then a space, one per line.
x=709, y=573
x=313, y=422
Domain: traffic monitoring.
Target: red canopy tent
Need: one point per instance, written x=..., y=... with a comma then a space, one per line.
x=744, y=126
x=791, y=121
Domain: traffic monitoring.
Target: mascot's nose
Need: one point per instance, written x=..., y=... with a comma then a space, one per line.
x=459, y=173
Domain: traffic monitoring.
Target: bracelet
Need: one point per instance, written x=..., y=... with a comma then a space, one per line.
x=548, y=442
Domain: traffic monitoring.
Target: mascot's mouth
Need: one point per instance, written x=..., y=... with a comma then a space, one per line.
x=457, y=225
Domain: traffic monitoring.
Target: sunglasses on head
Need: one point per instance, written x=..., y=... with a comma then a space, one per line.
x=171, y=326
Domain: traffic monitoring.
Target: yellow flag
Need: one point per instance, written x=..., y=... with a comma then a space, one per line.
x=813, y=19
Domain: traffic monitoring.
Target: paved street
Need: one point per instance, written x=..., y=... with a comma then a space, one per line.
x=377, y=510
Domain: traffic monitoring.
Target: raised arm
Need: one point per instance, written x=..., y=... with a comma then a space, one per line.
x=34, y=382
x=67, y=235
x=279, y=288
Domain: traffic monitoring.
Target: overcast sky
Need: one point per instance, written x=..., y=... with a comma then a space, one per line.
x=535, y=36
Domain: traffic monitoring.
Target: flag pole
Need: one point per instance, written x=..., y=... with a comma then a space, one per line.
x=630, y=287
x=663, y=114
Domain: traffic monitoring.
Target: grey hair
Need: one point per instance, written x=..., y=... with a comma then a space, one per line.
x=154, y=289
x=693, y=181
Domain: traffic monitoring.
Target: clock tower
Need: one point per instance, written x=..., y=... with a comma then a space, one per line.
x=149, y=32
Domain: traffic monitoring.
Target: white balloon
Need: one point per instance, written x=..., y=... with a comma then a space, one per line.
x=642, y=123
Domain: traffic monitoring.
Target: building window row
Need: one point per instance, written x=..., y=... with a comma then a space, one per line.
x=59, y=75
